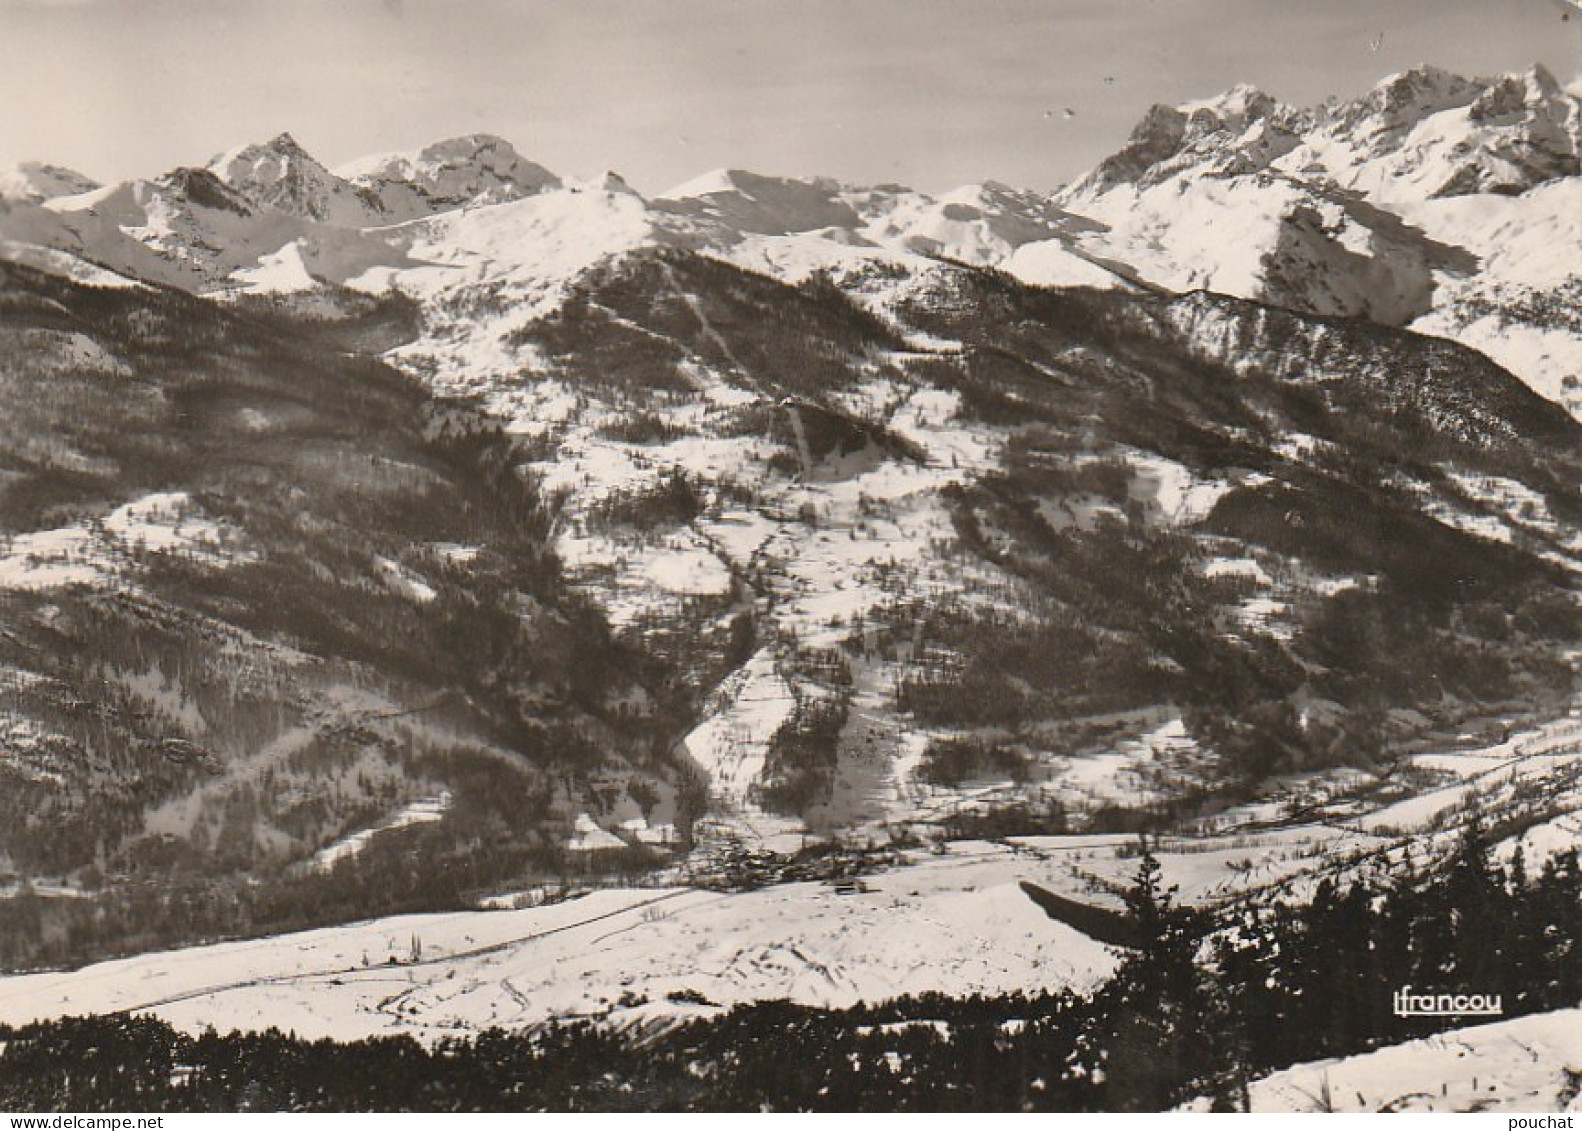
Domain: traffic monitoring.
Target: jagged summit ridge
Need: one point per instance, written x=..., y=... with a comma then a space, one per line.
x=1406, y=205
x=1401, y=100
x=1242, y=130
x=1505, y=134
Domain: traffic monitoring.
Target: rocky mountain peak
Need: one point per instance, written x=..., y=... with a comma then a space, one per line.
x=1515, y=95
x=469, y=169
x=282, y=175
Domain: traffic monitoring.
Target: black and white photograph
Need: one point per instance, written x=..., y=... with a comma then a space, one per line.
x=790, y=556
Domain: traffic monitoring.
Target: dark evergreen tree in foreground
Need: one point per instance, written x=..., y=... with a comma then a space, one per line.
x=1150, y=1018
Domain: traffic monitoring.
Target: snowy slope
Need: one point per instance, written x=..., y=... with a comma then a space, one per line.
x=959, y=924
x=78, y=243
x=1270, y=237
x=482, y=273
x=791, y=228
x=192, y=230
x=1425, y=134
x=955, y=922
x=54, y=261
x=1522, y=305
x=1529, y=1064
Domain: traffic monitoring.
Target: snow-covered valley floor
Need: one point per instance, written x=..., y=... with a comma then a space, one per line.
x=956, y=922
x=952, y=917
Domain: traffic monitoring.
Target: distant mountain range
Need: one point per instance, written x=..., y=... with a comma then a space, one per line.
x=1383, y=206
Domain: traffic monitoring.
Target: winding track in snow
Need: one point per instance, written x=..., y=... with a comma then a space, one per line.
x=353, y=971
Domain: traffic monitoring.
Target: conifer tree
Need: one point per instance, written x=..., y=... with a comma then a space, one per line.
x=1158, y=1002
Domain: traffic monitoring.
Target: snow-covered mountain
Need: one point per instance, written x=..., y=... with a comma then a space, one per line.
x=958, y=921
x=922, y=507
x=36, y=182
x=221, y=223
x=1444, y=203
x=1425, y=134
x=192, y=229
x=1419, y=135
x=280, y=174
x=1434, y=201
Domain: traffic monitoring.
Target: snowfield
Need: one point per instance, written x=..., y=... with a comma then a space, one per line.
x=731, y=744
x=97, y=554
x=956, y=923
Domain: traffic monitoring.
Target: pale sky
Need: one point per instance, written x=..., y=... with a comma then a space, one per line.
x=926, y=92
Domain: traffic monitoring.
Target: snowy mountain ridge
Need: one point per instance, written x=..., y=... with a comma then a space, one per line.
x=1362, y=207
x=1376, y=207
